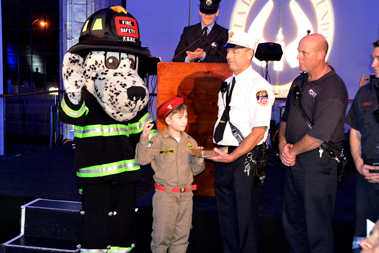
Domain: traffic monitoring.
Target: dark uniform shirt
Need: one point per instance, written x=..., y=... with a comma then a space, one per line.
x=218, y=36
x=105, y=148
x=324, y=101
x=361, y=118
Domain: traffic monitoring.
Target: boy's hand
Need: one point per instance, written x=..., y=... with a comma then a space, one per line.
x=147, y=128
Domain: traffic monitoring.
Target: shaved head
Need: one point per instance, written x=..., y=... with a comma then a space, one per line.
x=312, y=53
x=317, y=42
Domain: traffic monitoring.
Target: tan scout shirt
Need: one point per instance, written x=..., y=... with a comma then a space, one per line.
x=172, y=162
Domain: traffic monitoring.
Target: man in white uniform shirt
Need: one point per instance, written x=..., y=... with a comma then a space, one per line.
x=249, y=113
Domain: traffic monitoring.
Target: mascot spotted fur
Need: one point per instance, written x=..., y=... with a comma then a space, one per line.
x=106, y=101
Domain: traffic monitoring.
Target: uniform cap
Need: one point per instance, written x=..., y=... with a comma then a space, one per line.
x=241, y=39
x=209, y=6
x=166, y=108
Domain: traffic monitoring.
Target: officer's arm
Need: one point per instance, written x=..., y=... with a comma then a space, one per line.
x=284, y=147
x=282, y=135
x=246, y=145
x=305, y=144
x=356, y=148
x=179, y=55
x=356, y=152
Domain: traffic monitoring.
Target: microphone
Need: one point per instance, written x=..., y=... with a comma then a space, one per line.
x=297, y=91
x=185, y=48
x=224, y=87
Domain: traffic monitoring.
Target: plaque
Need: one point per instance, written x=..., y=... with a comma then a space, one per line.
x=207, y=152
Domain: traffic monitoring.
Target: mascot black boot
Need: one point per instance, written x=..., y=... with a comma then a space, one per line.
x=106, y=101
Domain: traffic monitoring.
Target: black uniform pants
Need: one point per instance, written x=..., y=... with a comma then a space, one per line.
x=309, y=199
x=366, y=204
x=109, y=215
x=237, y=203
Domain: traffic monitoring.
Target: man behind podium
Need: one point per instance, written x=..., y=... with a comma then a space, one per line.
x=244, y=105
x=207, y=37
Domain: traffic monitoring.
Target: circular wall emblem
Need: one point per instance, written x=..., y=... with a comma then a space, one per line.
x=285, y=23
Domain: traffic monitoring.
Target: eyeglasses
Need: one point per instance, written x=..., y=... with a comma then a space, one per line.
x=208, y=11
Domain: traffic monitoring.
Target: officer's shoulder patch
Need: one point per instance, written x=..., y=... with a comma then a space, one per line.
x=262, y=97
x=189, y=145
x=149, y=144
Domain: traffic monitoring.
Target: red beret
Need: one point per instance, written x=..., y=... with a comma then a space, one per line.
x=169, y=106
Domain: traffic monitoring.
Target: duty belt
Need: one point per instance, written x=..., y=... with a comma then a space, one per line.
x=371, y=164
x=260, y=147
x=175, y=189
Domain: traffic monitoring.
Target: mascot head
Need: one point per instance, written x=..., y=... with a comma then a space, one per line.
x=110, y=45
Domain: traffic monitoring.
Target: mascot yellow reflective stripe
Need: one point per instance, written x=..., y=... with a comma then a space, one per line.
x=108, y=169
x=146, y=118
x=101, y=130
x=111, y=250
x=153, y=133
x=73, y=113
x=137, y=127
x=111, y=130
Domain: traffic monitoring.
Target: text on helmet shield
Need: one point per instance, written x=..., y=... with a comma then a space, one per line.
x=126, y=27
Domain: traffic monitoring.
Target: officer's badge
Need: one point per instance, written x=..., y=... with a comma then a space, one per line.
x=149, y=144
x=208, y=2
x=262, y=97
x=189, y=145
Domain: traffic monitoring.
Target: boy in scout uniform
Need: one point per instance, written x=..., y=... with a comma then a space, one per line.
x=169, y=153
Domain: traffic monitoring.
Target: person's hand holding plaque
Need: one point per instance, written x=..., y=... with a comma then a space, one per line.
x=205, y=153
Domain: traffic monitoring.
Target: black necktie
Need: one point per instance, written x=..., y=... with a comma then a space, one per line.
x=204, y=32
x=219, y=132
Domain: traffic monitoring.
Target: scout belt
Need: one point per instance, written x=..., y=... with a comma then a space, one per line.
x=175, y=189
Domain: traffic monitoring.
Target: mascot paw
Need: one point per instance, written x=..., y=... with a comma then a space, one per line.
x=72, y=72
x=73, y=79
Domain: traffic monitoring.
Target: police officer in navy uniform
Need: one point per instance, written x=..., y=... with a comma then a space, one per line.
x=248, y=98
x=207, y=37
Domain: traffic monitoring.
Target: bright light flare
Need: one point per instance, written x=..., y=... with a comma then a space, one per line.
x=53, y=89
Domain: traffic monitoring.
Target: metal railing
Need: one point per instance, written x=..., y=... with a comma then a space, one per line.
x=30, y=121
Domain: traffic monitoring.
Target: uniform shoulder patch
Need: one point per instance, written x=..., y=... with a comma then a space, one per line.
x=189, y=145
x=149, y=144
x=262, y=97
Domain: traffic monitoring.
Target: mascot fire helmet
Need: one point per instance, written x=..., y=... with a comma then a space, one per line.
x=112, y=28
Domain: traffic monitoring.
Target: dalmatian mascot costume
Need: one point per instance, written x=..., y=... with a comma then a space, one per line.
x=106, y=101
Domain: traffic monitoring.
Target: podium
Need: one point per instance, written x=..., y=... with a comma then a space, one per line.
x=198, y=84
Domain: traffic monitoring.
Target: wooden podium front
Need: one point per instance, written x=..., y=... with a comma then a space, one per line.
x=198, y=84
